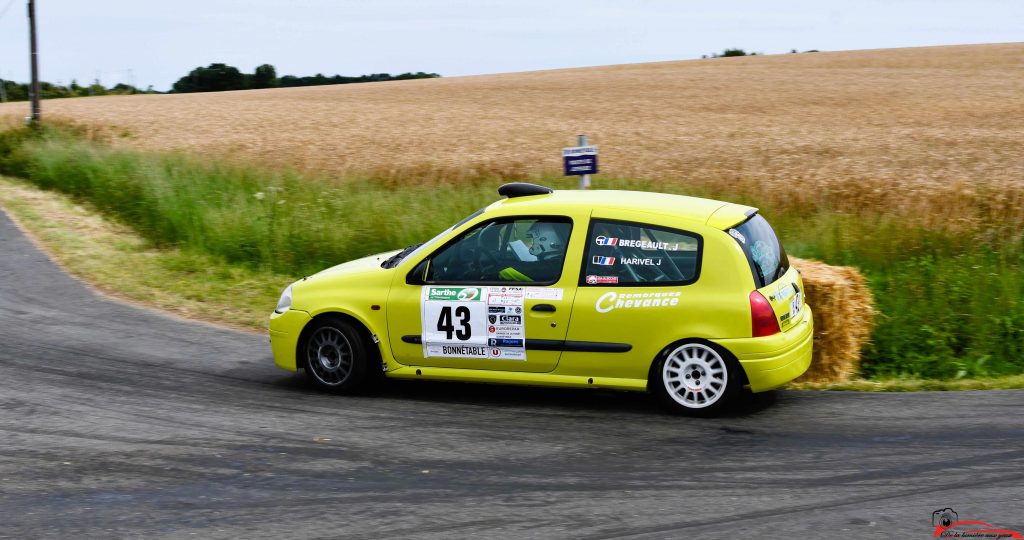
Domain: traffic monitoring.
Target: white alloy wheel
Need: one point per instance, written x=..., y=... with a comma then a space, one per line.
x=695, y=376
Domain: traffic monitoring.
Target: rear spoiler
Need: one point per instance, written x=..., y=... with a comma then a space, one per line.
x=730, y=215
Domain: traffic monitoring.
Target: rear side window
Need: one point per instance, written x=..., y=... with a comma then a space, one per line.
x=624, y=253
x=767, y=259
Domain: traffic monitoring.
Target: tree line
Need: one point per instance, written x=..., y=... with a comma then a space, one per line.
x=213, y=78
x=222, y=77
x=13, y=91
x=740, y=52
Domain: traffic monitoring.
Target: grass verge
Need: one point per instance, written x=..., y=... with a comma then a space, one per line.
x=916, y=385
x=98, y=251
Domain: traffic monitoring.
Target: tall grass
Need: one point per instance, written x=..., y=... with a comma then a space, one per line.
x=274, y=220
x=948, y=290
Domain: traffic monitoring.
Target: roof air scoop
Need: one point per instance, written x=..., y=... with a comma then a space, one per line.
x=522, y=189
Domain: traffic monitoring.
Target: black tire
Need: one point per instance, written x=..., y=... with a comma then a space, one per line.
x=337, y=357
x=696, y=379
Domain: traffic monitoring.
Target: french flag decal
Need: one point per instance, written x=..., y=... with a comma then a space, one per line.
x=604, y=261
x=606, y=241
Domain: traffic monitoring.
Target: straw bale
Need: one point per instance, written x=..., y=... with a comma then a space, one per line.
x=843, y=319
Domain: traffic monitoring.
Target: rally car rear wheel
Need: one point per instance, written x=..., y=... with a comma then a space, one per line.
x=335, y=355
x=696, y=379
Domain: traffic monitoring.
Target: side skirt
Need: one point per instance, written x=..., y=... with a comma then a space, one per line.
x=516, y=377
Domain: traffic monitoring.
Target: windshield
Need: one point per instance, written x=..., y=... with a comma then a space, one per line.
x=414, y=249
x=768, y=259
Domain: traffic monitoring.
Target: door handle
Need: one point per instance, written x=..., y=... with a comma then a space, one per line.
x=543, y=307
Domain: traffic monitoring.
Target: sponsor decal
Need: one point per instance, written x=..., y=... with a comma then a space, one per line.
x=504, y=342
x=606, y=241
x=948, y=524
x=507, y=332
x=462, y=350
x=505, y=296
x=595, y=280
x=511, y=319
x=495, y=309
x=519, y=309
x=636, y=261
x=456, y=294
x=604, y=261
x=544, y=293
x=782, y=293
x=612, y=300
x=492, y=319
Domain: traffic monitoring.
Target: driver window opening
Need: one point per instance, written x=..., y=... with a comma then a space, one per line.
x=521, y=251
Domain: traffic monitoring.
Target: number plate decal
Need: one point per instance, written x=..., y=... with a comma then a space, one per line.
x=473, y=322
x=794, y=306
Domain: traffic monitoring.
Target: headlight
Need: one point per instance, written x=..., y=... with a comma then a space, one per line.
x=285, y=303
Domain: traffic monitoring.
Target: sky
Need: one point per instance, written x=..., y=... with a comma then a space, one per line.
x=155, y=42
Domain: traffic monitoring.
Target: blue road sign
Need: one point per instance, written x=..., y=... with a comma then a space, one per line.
x=579, y=160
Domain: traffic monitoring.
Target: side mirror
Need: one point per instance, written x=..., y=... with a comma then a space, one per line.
x=418, y=275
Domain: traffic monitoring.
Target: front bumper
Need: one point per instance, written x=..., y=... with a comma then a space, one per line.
x=285, y=329
x=773, y=361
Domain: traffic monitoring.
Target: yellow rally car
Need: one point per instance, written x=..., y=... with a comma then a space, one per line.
x=690, y=299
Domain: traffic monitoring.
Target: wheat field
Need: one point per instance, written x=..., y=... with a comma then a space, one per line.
x=929, y=130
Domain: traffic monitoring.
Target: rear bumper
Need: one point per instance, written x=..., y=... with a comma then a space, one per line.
x=773, y=361
x=285, y=329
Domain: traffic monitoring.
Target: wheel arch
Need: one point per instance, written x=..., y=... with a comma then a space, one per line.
x=653, y=368
x=359, y=325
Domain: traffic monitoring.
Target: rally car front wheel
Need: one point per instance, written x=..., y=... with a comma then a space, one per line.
x=335, y=356
x=696, y=379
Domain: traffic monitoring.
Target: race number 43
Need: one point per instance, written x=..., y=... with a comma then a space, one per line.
x=445, y=323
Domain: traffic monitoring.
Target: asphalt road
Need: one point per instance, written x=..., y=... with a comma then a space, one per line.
x=119, y=422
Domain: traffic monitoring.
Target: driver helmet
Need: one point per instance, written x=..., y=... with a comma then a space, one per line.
x=545, y=242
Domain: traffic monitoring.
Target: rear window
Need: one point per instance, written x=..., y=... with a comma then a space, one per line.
x=767, y=259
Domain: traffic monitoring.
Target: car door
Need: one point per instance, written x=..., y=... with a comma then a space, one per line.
x=496, y=297
x=637, y=292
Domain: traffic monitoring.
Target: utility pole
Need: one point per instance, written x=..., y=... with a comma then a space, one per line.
x=581, y=140
x=35, y=61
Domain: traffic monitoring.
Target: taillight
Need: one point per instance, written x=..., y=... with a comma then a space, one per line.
x=762, y=316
